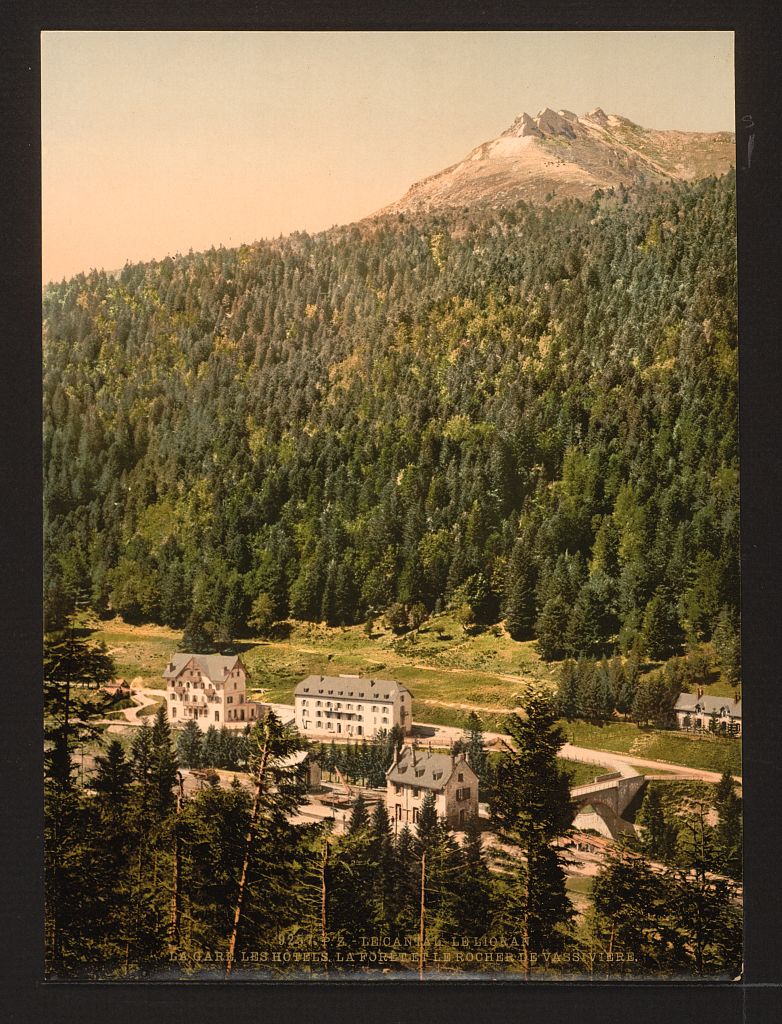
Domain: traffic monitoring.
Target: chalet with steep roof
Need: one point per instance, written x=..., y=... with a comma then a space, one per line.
x=209, y=689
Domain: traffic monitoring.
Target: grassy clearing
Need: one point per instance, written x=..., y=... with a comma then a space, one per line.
x=706, y=752
x=580, y=774
x=150, y=710
x=442, y=665
x=139, y=652
x=580, y=884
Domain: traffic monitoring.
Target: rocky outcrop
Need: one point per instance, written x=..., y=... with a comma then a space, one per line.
x=557, y=154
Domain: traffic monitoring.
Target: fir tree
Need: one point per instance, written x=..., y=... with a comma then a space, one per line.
x=531, y=808
x=568, y=692
x=728, y=833
x=473, y=893
x=359, y=817
x=113, y=775
x=189, y=745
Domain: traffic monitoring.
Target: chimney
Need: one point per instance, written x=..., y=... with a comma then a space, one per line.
x=453, y=759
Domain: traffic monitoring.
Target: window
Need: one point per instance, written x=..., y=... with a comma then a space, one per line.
x=398, y=812
x=415, y=815
x=397, y=788
x=415, y=791
x=306, y=725
x=229, y=700
x=460, y=777
x=463, y=794
x=173, y=712
x=217, y=716
x=318, y=714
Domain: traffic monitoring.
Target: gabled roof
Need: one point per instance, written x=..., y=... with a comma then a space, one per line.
x=707, y=704
x=349, y=686
x=214, y=667
x=430, y=771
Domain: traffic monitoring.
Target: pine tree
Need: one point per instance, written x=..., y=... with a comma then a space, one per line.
x=662, y=635
x=531, y=808
x=473, y=893
x=163, y=762
x=382, y=897
x=426, y=827
x=659, y=829
x=474, y=748
x=189, y=745
x=113, y=775
x=728, y=833
x=567, y=691
x=631, y=916
x=727, y=642
x=551, y=628
x=520, y=599
x=359, y=817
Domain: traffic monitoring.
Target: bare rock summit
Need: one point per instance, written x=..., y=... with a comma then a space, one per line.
x=556, y=154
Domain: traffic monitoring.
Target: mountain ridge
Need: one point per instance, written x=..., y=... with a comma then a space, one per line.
x=558, y=154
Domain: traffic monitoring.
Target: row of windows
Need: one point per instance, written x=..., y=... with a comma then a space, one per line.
x=339, y=704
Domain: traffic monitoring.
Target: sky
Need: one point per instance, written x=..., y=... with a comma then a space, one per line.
x=156, y=143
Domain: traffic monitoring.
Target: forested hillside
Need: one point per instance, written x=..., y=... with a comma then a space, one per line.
x=530, y=412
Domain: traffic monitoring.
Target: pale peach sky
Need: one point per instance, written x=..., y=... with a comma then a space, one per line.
x=155, y=143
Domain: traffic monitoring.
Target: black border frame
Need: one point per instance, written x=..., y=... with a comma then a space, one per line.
x=758, y=47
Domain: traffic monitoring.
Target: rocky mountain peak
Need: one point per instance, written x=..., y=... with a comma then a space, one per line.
x=557, y=154
x=552, y=123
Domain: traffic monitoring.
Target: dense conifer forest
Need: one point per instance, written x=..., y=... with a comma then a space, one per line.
x=531, y=412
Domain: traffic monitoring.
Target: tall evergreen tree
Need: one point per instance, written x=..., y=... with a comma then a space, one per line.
x=531, y=809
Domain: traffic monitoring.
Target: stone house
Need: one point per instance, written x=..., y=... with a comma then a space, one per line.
x=210, y=689
x=415, y=773
x=343, y=706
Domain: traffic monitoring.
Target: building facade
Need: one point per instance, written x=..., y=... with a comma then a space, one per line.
x=699, y=712
x=342, y=706
x=415, y=773
x=209, y=689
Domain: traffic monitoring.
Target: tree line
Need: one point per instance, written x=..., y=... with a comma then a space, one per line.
x=539, y=424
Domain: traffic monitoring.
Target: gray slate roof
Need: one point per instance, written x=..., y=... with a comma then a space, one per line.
x=349, y=686
x=435, y=769
x=214, y=667
x=707, y=704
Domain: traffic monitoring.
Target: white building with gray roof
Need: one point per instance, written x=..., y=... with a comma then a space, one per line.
x=415, y=773
x=699, y=712
x=351, y=706
x=209, y=689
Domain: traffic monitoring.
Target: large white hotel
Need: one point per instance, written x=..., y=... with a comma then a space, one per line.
x=351, y=706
